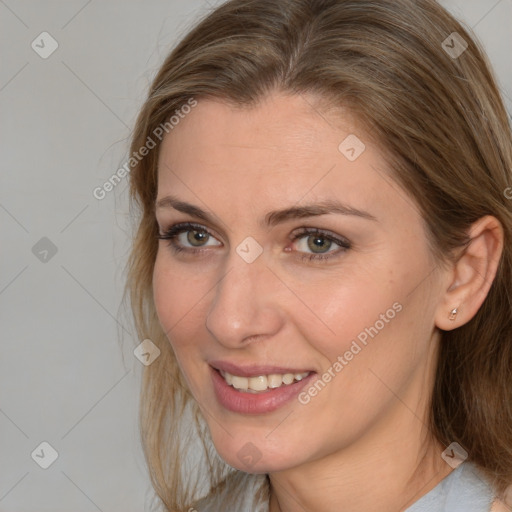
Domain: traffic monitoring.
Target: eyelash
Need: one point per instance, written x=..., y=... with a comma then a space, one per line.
x=172, y=233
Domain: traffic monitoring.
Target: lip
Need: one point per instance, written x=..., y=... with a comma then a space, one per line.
x=255, y=403
x=254, y=370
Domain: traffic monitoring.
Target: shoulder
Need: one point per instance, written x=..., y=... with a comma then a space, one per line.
x=464, y=490
x=239, y=492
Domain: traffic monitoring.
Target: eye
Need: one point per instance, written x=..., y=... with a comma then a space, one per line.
x=188, y=236
x=318, y=244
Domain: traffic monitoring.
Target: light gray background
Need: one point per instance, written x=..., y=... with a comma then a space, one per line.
x=64, y=376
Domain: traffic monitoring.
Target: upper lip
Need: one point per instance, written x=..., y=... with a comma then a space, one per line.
x=253, y=370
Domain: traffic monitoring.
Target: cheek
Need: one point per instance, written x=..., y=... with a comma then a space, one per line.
x=180, y=300
x=345, y=309
x=382, y=334
x=376, y=317
x=178, y=297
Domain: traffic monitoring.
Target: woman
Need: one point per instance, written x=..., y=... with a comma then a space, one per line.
x=324, y=261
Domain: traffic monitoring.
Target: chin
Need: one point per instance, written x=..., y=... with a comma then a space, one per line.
x=257, y=457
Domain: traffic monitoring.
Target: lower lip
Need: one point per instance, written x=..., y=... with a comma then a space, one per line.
x=255, y=403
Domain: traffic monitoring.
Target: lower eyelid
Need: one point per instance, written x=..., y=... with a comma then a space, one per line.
x=323, y=255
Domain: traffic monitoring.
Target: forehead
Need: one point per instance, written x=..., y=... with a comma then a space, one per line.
x=282, y=151
x=281, y=125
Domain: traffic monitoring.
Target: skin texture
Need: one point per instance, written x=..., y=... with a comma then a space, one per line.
x=359, y=441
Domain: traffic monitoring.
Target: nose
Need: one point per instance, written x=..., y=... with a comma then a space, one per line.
x=245, y=305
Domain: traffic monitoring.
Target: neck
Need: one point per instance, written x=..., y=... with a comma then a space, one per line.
x=392, y=471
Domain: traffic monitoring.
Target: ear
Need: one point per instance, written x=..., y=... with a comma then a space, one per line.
x=471, y=276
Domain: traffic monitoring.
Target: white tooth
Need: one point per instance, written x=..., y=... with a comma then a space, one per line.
x=274, y=380
x=258, y=383
x=240, y=382
x=261, y=382
x=288, y=378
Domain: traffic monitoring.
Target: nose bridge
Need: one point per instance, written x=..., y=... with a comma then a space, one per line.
x=244, y=303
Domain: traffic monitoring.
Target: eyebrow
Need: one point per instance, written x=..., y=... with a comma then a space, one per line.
x=275, y=217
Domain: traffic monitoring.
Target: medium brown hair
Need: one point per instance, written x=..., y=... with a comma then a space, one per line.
x=441, y=124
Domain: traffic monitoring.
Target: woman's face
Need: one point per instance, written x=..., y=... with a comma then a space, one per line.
x=297, y=289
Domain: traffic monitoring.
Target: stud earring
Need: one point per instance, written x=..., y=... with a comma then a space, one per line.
x=453, y=314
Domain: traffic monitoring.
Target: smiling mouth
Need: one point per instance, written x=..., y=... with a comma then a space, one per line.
x=262, y=383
